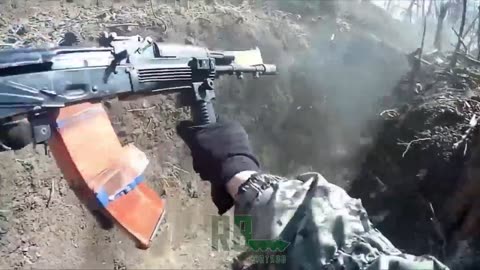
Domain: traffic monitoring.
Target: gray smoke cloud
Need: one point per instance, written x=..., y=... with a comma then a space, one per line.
x=322, y=111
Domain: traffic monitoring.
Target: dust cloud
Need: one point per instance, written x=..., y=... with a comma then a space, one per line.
x=321, y=113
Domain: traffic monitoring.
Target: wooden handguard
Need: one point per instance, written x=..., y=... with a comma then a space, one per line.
x=104, y=175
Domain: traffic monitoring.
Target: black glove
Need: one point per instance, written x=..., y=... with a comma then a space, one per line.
x=219, y=151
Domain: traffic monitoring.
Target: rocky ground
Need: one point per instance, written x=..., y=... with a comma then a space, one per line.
x=340, y=71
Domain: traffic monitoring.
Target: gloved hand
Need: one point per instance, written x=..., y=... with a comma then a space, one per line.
x=219, y=152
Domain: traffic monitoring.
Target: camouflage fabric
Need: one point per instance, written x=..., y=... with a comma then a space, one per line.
x=324, y=226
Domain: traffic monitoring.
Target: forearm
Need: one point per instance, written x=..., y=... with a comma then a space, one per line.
x=312, y=214
x=237, y=181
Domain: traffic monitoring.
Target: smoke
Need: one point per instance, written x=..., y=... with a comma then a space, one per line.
x=337, y=91
x=321, y=113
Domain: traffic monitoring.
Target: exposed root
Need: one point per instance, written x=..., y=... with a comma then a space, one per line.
x=473, y=123
x=409, y=144
x=165, y=27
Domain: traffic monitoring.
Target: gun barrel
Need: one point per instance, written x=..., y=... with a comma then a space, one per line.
x=225, y=56
x=263, y=69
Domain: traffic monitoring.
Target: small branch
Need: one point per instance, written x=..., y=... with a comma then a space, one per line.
x=382, y=185
x=141, y=109
x=158, y=18
x=121, y=24
x=202, y=18
x=470, y=43
x=469, y=58
x=165, y=183
x=470, y=27
x=438, y=33
x=147, y=129
x=473, y=123
x=176, y=167
x=423, y=61
x=410, y=144
x=437, y=226
x=453, y=62
x=460, y=39
x=52, y=191
x=417, y=63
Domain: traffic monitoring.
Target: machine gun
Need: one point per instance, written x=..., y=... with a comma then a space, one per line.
x=59, y=91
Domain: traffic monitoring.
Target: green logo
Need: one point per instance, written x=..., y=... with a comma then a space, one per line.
x=244, y=226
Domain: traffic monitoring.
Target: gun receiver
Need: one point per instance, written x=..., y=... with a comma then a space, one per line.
x=37, y=80
x=59, y=91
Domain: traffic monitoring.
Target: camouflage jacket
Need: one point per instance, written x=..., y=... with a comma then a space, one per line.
x=321, y=226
